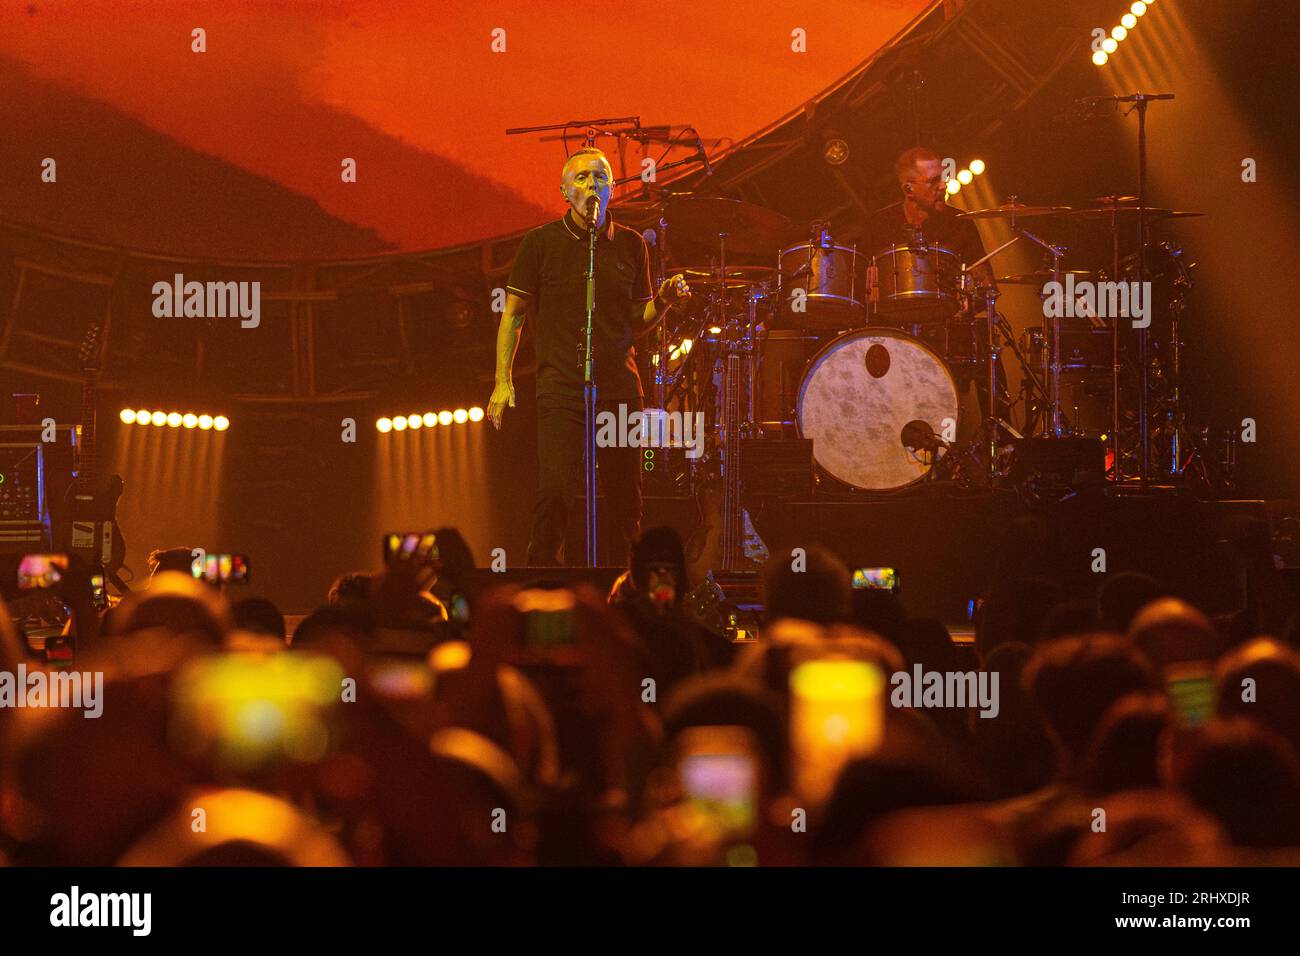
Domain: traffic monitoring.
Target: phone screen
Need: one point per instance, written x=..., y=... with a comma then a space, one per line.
x=723, y=785
x=410, y=545
x=719, y=771
x=548, y=617
x=222, y=567
x=837, y=713
x=41, y=570
x=1191, y=692
x=884, y=578
x=98, y=595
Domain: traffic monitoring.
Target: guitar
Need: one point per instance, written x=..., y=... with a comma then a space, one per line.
x=87, y=525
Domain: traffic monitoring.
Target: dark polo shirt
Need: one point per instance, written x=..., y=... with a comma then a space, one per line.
x=550, y=272
x=889, y=227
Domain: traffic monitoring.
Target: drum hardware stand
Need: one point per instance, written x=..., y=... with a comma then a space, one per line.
x=1178, y=445
x=1115, y=470
x=1140, y=102
x=1052, y=367
x=992, y=421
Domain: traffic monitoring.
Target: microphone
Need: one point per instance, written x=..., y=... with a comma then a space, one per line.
x=593, y=209
x=917, y=434
x=704, y=157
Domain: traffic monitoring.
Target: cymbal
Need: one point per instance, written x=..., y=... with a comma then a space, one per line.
x=738, y=277
x=1040, y=276
x=750, y=229
x=1008, y=209
x=1108, y=206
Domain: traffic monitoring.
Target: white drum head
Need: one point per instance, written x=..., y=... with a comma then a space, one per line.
x=859, y=392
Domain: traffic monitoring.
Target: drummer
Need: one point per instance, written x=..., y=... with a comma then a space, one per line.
x=924, y=217
x=924, y=210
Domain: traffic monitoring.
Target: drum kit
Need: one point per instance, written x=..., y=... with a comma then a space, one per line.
x=791, y=334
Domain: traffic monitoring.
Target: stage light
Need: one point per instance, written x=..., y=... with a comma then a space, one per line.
x=1138, y=9
x=142, y=417
x=964, y=177
x=127, y=415
x=385, y=425
x=461, y=416
x=189, y=419
x=715, y=329
x=221, y=423
x=977, y=167
x=159, y=418
x=444, y=418
x=174, y=420
x=835, y=151
x=954, y=187
x=476, y=414
x=430, y=419
x=1109, y=45
x=414, y=421
x=686, y=346
x=1100, y=58
x=399, y=424
x=205, y=422
x=1118, y=34
x=1128, y=22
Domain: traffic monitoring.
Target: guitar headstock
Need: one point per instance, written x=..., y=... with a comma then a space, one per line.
x=89, y=353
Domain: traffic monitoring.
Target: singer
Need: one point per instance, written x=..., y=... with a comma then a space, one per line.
x=548, y=281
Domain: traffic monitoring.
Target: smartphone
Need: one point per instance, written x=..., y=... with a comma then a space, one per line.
x=885, y=579
x=247, y=711
x=837, y=713
x=410, y=546
x=1190, y=686
x=41, y=570
x=98, y=594
x=548, y=617
x=222, y=567
x=458, y=608
x=719, y=769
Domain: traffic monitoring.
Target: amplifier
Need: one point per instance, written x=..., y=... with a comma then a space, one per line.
x=22, y=483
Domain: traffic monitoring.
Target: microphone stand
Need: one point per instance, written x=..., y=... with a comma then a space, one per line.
x=589, y=386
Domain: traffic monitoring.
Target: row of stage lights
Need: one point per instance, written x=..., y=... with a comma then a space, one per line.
x=131, y=416
x=965, y=177
x=400, y=423
x=1117, y=35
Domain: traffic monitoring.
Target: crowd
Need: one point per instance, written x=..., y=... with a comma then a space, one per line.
x=419, y=718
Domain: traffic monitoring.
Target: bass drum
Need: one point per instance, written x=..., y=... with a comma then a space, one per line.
x=859, y=392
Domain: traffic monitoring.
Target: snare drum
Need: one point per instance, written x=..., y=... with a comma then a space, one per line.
x=922, y=279
x=818, y=286
x=858, y=394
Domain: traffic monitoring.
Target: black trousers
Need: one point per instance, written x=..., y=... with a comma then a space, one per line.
x=560, y=424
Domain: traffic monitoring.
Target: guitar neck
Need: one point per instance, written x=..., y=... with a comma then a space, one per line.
x=86, y=470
